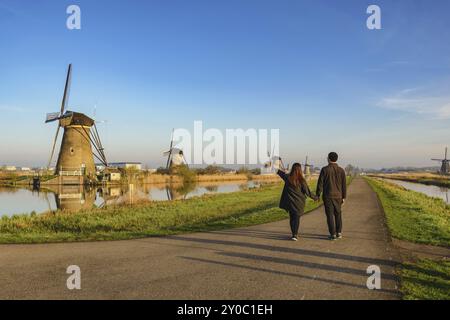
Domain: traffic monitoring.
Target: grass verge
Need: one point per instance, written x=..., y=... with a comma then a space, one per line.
x=415, y=217
x=209, y=212
x=426, y=280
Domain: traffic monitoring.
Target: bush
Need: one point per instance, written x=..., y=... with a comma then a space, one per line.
x=211, y=169
x=162, y=170
x=183, y=171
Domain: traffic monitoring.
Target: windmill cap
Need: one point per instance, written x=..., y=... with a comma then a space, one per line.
x=71, y=118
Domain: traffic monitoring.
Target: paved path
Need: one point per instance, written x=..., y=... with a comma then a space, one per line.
x=248, y=263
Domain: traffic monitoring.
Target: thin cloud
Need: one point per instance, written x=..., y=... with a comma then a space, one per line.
x=411, y=100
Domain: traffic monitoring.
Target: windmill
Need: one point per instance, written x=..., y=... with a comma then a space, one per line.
x=80, y=137
x=445, y=164
x=274, y=162
x=175, y=156
x=307, y=168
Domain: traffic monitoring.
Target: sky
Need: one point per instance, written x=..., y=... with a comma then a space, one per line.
x=380, y=98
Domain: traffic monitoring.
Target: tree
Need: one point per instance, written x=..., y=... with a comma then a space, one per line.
x=351, y=170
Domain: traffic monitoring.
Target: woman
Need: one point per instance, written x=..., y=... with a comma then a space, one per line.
x=294, y=195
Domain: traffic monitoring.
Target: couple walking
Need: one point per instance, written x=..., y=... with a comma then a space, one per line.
x=331, y=185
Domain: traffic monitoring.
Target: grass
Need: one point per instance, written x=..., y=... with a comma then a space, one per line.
x=209, y=212
x=426, y=280
x=413, y=216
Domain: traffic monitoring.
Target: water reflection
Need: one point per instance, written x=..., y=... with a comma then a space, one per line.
x=432, y=191
x=75, y=198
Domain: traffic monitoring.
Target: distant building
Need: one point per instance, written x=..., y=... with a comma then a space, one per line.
x=10, y=168
x=25, y=169
x=112, y=175
x=126, y=165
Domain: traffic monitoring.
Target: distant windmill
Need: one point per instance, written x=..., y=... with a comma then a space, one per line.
x=78, y=140
x=307, y=168
x=274, y=162
x=175, y=156
x=445, y=167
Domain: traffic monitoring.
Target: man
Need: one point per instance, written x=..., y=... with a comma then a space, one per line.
x=333, y=185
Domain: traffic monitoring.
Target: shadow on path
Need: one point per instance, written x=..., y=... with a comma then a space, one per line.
x=289, y=250
x=283, y=273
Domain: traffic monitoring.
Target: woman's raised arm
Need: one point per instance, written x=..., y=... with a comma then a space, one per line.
x=282, y=174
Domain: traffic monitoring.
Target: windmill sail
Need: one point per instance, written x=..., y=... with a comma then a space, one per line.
x=64, y=103
x=169, y=153
x=52, y=117
x=65, y=100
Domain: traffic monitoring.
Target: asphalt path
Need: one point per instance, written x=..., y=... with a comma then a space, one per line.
x=256, y=262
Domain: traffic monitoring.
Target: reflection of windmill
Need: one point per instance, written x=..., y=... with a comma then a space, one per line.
x=445, y=167
x=174, y=193
x=307, y=168
x=75, y=154
x=175, y=156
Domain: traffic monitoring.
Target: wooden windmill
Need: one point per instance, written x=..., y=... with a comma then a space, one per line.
x=275, y=162
x=175, y=156
x=445, y=164
x=80, y=137
x=307, y=168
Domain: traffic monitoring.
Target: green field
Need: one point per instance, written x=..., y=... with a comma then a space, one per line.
x=415, y=217
x=210, y=212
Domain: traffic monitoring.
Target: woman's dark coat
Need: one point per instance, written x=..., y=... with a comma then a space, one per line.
x=293, y=198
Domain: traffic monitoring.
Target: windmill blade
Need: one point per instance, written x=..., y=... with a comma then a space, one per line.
x=273, y=150
x=52, y=117
x=53, y=148
x=170, y=151
x=171, y=140
x=65, y=99
x=168, y=159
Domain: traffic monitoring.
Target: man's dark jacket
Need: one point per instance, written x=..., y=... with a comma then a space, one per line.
x=332, y=182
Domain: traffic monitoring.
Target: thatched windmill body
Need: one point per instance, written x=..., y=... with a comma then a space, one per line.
x=175, y=156
x=445, y=164
x=80, y=137
x=307, y=168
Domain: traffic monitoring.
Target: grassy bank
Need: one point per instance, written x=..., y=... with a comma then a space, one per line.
x=425, y=280
x=415, y=217
x=210, y=212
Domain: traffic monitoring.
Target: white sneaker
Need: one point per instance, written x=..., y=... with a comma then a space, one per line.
x=294, y=239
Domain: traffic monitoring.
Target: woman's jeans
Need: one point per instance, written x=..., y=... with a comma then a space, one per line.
x=295, y=222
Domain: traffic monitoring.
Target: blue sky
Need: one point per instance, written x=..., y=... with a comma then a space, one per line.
x=310, y=68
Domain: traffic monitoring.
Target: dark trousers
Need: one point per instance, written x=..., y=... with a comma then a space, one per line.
x=294, y=220
x=334, y=215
